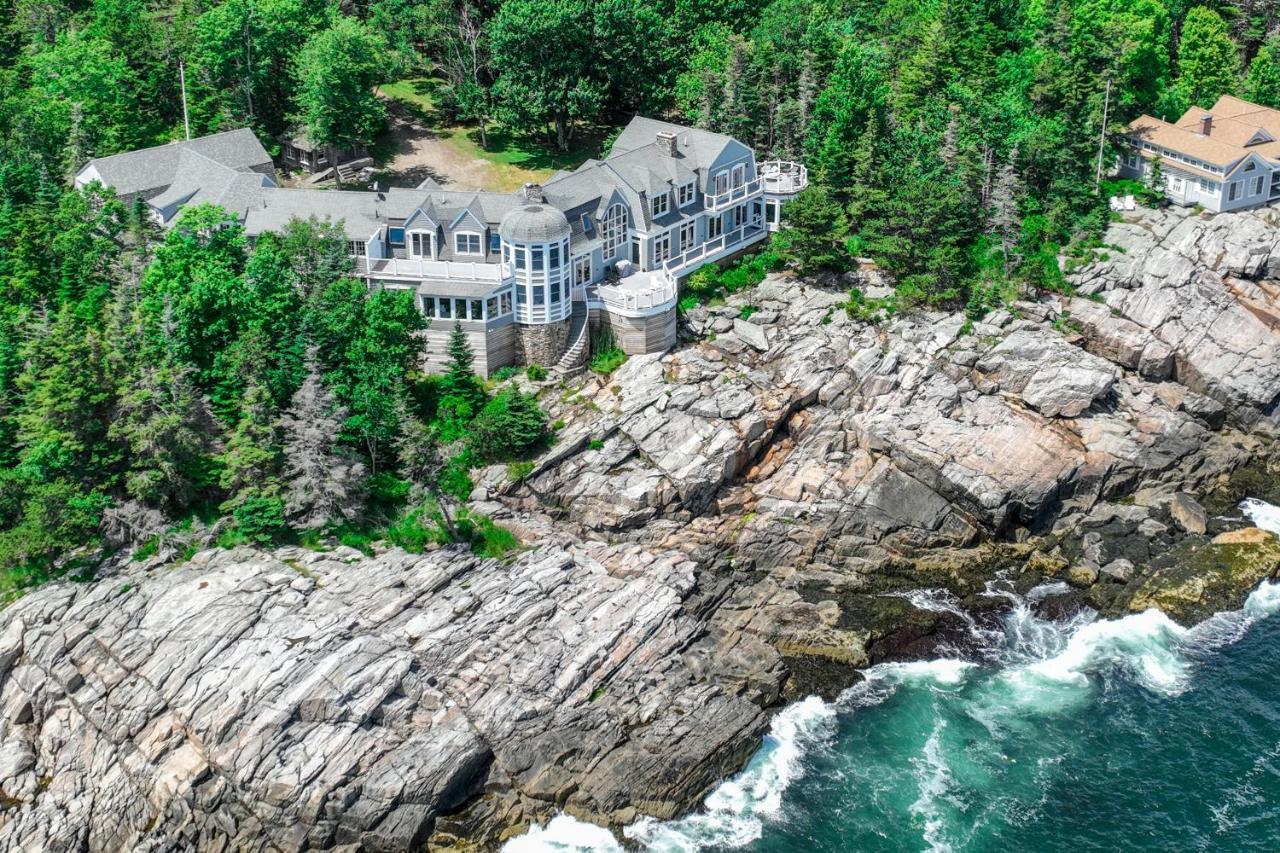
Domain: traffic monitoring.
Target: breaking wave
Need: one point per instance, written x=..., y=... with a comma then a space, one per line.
x=1027, y=669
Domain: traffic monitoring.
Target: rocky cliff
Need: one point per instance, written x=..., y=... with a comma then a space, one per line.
x=715, y=531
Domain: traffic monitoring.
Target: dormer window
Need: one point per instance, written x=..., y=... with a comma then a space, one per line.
x=495, y=242
x=661, y=204
x=466, y=243
x=1250, y=166
x=419, y=244
x=686, y=194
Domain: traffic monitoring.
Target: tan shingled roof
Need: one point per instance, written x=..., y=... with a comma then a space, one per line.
x=1150, y=129
x=1235, y=123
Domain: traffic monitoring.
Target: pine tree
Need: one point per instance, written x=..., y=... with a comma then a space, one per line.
x=169, y=433
x=1208, y=60
x=421, y=463
x=1004, y=220
x=250, y=459
x=323, y=482
x=1262, y=83
x=460, y=379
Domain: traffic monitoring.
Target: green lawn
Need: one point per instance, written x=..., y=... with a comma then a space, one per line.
x=508, y=161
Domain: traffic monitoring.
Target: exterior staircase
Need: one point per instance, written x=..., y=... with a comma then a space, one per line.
x=575, y=355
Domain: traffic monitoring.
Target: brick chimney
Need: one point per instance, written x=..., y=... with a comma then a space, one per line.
x=667, y=143
x=1206, y=124
x=533, y=192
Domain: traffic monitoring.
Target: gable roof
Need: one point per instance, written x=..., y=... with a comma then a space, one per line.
x=149, y=170
x=1238, y=128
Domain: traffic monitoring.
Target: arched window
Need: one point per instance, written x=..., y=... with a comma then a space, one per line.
x=614, y=230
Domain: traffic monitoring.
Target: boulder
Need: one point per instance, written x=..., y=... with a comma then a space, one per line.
x=1190, y=516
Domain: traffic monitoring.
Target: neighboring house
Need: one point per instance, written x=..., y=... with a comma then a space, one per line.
x=1224, y=158
x=227, y=169
x=527, y=274
x=297, y=151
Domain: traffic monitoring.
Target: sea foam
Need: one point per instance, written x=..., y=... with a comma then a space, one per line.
x=1041, y=666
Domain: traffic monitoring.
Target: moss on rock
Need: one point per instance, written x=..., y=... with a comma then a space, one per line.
x=1205, y=579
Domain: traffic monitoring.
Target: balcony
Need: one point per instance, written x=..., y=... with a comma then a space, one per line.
x=422, y=268
x=730, y=197
x=783, y=177
x=640, y=294
x=716, y=248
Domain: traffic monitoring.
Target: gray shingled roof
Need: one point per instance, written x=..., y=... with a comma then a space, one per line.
x=360, y=212
x=152, y=169
x=534, y=223
x=199, y=179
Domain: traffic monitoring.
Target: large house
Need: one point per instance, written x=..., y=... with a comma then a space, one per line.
x=1224, y=158
x=525, y=274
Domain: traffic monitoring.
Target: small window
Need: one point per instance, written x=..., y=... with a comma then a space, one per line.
x=739, y=175
x=429, y=306
x=504, y=300
x=495, y=241
x=553, y=258
x=1257, y=186
x=587, y=227
x=446, y=308
x=661, y=204
x=686, y=194
x=395, y=236
x=582, y=270
x=539, y=295
x=491, y=304
x=520, y=259
x=466, y=243
x=536, y=255
x=715, y=227
x=1250, y=166
x=1233, y=191
x=722, y=183
x=460, y=309
x=357, y=248
x=477, y=309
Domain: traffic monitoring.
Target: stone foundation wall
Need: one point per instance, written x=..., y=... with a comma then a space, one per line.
x=543, y=343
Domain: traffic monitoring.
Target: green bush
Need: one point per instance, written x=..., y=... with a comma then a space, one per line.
x=606, y=356
x=747, y=311
x=502, y=374
x=417, y=528
x=486, y=538
x=260, y=518
x=509, y=425
x=595, y=444
x=517, y=471
x=455, y=476
x=535, y=372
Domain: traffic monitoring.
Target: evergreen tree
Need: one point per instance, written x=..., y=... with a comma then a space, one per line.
x=250, y=460
x=815, y=228
x=1208, y=61
x=165, y=425
x=323, y=482
x=1262, y=83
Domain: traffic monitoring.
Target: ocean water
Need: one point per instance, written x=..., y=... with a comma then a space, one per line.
x=1131, y=734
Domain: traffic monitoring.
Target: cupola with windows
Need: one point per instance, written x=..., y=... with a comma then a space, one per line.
x=535, y=250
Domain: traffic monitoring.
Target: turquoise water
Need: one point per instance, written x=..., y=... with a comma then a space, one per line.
x=1130, y=734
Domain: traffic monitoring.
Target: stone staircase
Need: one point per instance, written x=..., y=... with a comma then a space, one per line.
x=575, y=355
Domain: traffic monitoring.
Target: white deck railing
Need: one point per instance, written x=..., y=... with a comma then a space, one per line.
x=730, y=197
x=424, y=268
x=660, y=293
x=784, y=177
x=680, y=263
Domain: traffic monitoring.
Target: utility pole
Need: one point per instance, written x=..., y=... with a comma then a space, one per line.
x=1102, y=140
x=182, y=79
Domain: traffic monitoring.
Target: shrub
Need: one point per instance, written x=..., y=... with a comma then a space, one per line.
x=417, y=528
x=502, y=374
x=455, y=476
x=747, y=311
x=487, y=539
x=509, y=425
x=535, y=372
x=607, y=356
x=260, y=517
x=595, y=444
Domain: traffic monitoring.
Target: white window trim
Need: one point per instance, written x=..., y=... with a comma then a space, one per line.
x=578, y=265
x=715, y=182
x=479, y=242
x=686, y=188
x=662, y=201
x=738, y=176
x=688, y=235
x=430, y=240
x=1233, y=193
x=1257, y=185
